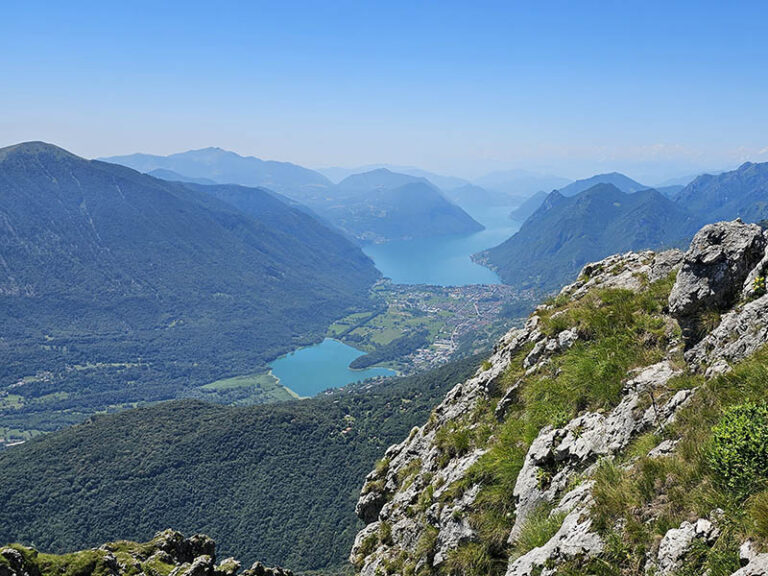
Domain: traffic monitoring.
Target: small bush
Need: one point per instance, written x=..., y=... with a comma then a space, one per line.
x=407, y=473
x=425, y=547
x=758, y=286
x=382, y=467
x=739, y=450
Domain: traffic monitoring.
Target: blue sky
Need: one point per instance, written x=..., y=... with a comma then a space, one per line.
x=656, y=89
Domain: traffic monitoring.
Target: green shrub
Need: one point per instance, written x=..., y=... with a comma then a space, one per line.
x=407, y=474
x=739, y=450
x=758, y=286
x=382, y=467
x=425, y=547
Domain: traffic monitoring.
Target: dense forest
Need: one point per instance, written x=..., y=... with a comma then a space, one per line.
x=273, y=483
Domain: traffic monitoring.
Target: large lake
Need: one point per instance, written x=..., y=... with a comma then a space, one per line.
x=445, y=261
x=309, y=371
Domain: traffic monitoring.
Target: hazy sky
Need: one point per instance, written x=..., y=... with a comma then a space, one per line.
x=655, y=89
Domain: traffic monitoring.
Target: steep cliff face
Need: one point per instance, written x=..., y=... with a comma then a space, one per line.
x=588, y=442
x=169, y=553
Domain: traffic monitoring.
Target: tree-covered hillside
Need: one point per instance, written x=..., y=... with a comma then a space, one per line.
x=567, y=232
x=583, y=223
x=118, y=288
x=274, y=483
x=741, y=193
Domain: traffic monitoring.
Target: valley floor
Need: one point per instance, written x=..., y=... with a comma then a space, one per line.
x=456, y=320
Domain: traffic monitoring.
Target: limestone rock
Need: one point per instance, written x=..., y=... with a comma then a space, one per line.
x=183, y=549
x=258, y=569
x=676, y=544
x=618, y=271
x=740, y=333
x=755, y=563
x=665, y=448
x=168, y=552
x=228, y=567
x=557, y=454
x=714, y=269
x=573, y=539
x=664, y=263
x=200, y=566
x=713, y=275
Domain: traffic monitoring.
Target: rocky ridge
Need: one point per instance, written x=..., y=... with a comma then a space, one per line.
x=421, y=503
x=169, y=553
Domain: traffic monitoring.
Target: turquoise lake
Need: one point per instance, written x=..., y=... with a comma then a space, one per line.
x=445, y=261
x=308, y=371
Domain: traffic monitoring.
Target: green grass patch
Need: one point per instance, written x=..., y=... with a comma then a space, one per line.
x=245, y=390
x=538, y=528
x=618, y=330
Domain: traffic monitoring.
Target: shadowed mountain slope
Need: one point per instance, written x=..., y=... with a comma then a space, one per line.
x=116, y=287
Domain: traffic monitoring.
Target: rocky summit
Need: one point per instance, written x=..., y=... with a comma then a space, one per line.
x=606, y=436
x=169, y=553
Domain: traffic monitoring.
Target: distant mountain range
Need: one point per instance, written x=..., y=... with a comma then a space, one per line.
x=382, y=205
x=471, y=196
x=365, y=205
x=125, y=288
x=620, y=181
x=445, y=183
x=522, y=212
x=172, y=176
x=521, y=183
x=739, y=193
x=586, y=221
x=224, y=167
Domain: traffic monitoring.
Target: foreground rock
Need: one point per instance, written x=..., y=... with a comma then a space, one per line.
x=421, y=503
x=168, y=553
x=714, y=269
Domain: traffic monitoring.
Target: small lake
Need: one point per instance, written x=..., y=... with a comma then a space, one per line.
x=308, y=371
x=445, y=261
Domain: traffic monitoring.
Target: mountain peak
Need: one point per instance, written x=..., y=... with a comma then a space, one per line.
x=34, y=148
x=601, y=188
x=619, y=180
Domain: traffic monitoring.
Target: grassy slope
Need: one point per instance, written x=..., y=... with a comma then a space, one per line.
x=653, y=495
x=637, y=498
x=619, y=330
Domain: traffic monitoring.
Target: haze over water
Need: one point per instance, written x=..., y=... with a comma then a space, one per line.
x=446, y=260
